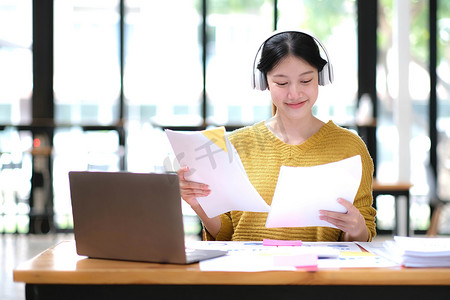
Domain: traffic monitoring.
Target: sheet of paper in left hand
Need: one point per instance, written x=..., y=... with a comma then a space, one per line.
x=302, y=191
x=214, y=161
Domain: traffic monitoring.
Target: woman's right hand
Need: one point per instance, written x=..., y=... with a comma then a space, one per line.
x=190, y=190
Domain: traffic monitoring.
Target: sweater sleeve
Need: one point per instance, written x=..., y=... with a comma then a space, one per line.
x=225, y=232
x=364, y=198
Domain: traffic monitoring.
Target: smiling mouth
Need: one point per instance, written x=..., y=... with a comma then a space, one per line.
x=296, y=104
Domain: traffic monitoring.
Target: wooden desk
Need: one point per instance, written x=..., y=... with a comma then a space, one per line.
x=59, y=273
x=394, y=189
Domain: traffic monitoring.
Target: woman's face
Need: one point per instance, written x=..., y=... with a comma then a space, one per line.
x=294, y=87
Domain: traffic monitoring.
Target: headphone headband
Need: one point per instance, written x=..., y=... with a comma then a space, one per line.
x=259, y=81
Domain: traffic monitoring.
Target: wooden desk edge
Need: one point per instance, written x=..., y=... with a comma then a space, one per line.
x=43, y=270
x=323, y=277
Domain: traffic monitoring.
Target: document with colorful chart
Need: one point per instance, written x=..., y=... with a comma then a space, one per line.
x=214, y=161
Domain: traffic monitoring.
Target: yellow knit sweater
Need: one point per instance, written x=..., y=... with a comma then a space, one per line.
x=262, y=155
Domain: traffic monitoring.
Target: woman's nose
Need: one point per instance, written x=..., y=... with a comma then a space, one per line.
x=295, y=91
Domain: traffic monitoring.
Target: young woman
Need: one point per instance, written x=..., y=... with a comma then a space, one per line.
x=291, y=68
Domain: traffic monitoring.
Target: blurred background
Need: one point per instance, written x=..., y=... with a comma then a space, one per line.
x=91, y=85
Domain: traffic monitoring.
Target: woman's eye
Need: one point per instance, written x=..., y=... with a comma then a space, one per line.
x=306, y=81
x=280, y=83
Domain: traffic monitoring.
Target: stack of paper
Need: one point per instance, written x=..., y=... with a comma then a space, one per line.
x=420, y=252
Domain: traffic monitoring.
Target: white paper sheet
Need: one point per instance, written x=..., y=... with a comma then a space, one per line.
x=322, y=249
x=302, y=191
x=252, y=256
x=214, y=161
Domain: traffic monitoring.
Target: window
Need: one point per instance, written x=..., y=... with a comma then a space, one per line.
x=188, y=64
x=443, y=96
x=235, y=30
x=16, y=79
x=15, y=180
x=334, y=23
x=388, y=110
x=87, y=92
x=163, y=76
x=163, y=70
x=86, y=61
x=76, y=149
x=16, y=84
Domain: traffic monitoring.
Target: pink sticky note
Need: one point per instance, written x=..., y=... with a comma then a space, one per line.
x=298, y=260
x=269, y=242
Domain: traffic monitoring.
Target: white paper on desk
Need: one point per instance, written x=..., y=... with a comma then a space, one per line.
x=252, y=256
x=302, y=191
x=214, y=161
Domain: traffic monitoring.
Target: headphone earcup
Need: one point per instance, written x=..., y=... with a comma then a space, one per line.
x=326, y=75
x=260, y=82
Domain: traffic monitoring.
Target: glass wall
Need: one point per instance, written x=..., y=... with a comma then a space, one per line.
x=16, y=84
x=235, y=30
x=87, y=90
x=76, y=149
x=387, y=127
x=163, y=76
x=334, y=23
x=171, y=77
x=163, y=68
x=15, y=179
x=443, y=108
x=16, y=79
x=86, y=61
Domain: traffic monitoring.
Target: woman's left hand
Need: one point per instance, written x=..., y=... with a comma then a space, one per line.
x=351, y=222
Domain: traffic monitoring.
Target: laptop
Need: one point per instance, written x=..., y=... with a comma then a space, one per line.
x=131, y=216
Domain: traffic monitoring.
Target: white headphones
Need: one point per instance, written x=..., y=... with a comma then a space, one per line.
x=259, y=81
